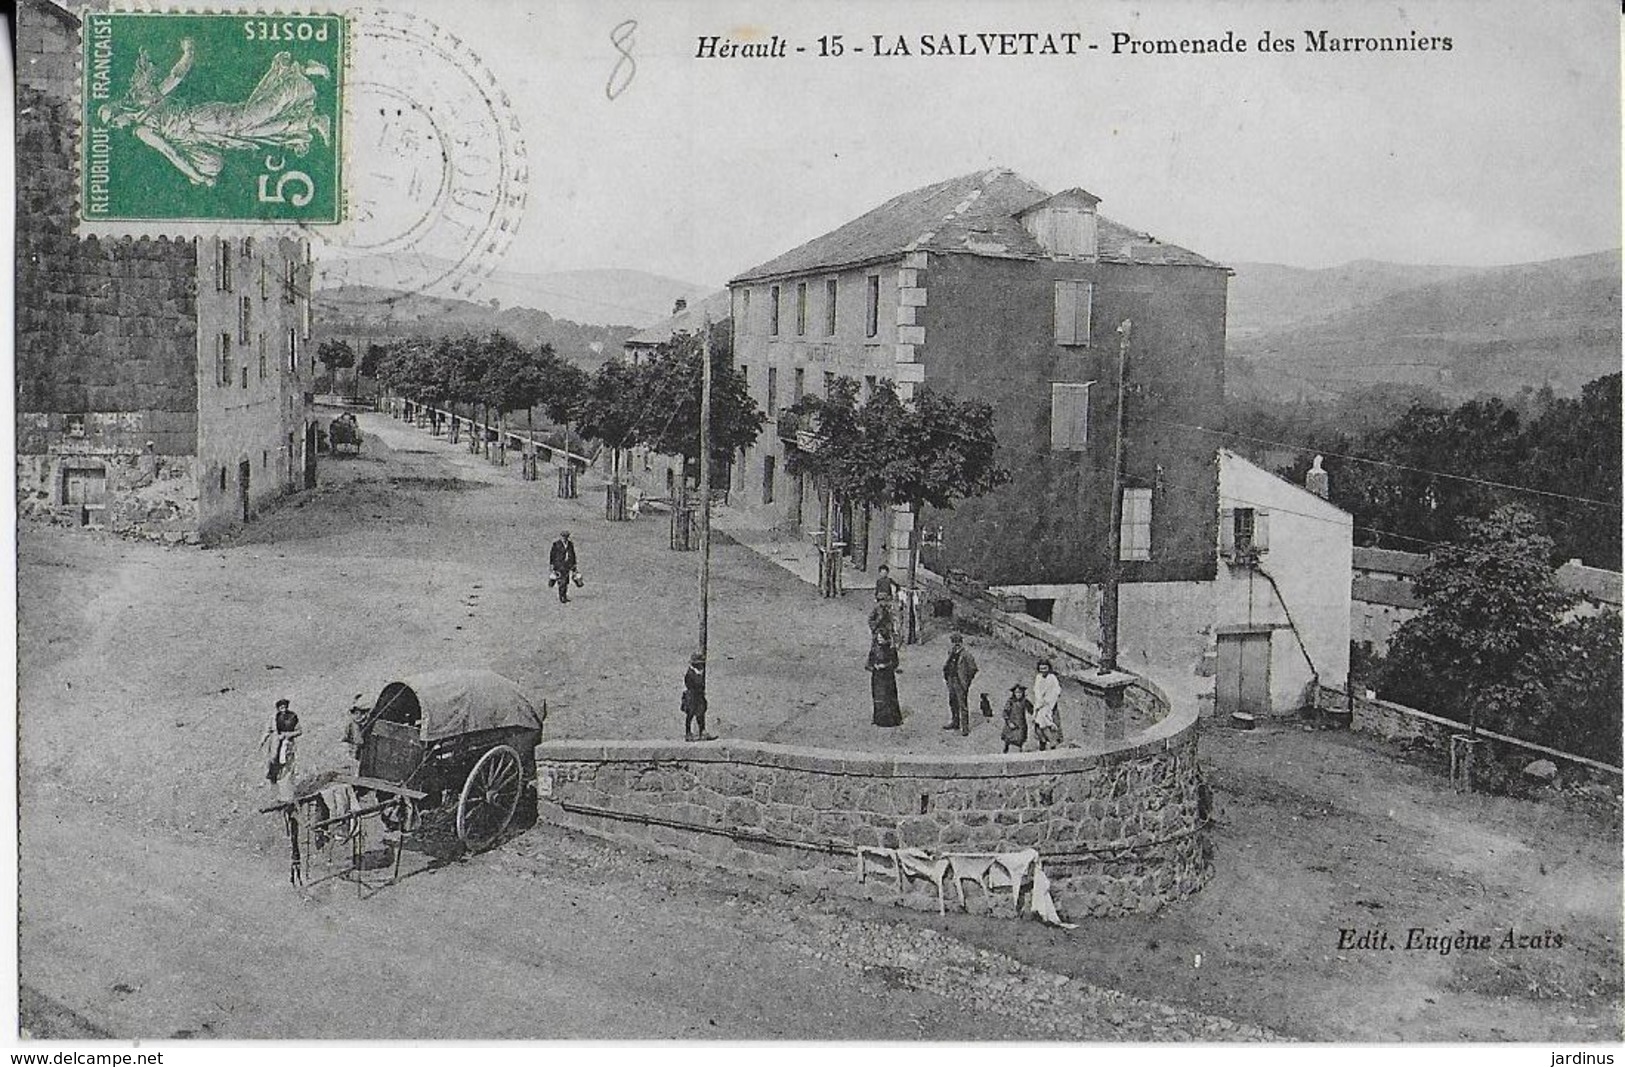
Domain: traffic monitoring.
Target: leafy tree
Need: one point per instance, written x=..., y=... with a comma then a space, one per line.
x=612, y=407
x=1585, y=691
x=335, y=355
x=372, y=359
x=1483, y=646
x=670, y=419
x=931, y=452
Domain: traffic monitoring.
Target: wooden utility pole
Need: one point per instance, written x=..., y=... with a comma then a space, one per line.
x=1108, y=600
x=705, y=484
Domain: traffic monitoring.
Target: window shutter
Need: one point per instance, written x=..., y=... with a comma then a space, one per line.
x=1085, y=306
x=1227, y=532
x=1069, y=416
x=1066, y=313
x=1261, y=530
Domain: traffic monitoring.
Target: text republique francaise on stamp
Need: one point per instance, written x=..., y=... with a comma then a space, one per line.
x=213, y=117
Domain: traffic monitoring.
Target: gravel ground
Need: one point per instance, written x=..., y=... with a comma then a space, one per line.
x=146, y=674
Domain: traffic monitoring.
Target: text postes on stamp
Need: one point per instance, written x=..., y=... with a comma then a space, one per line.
x=213, y=117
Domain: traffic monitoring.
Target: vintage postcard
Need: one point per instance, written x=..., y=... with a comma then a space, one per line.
x=1065, y=522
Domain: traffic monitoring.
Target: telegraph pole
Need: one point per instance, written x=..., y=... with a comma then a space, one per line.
x=705, y=484
x=1108, y=600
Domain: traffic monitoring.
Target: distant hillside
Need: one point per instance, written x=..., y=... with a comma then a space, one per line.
x=601, y=297
x=1266, y=296
x=1462, y=332
x=363, y=315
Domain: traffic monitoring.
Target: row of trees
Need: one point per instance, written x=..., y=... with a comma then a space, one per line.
x=1496, y=644
x=885, y=452
x=656, y=403
x=1397, y=481
x=493, y=374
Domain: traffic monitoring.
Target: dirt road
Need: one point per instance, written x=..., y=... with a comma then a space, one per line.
x=154, y=895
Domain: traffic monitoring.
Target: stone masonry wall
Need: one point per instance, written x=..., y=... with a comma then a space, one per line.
x=1120, y=831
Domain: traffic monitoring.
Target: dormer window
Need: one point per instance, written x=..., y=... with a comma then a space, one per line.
x=1065, y=224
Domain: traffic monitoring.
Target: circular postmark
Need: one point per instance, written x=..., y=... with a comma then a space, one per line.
x=438, y=176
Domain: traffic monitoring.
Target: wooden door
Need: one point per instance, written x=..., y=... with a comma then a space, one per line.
x=1243, y=682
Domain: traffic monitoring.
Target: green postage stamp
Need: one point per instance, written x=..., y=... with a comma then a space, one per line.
x=213, y=117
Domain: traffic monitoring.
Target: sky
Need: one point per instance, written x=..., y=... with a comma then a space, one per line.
x=1506, y=148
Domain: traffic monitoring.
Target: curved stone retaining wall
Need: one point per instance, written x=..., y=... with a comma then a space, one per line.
x=1120, y=830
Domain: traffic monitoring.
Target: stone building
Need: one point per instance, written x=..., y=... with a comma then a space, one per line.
x=987, y=286
x=161, y=383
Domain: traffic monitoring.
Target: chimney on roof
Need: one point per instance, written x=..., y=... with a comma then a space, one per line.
x=679, y=307
x=1317, y=481
x=1065, y=224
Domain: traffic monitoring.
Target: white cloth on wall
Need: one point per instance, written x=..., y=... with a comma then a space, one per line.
x=990, y=870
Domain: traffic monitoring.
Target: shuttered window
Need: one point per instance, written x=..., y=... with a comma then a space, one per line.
x=773, y=311
x=1243, y=532
x=871, y=310
x=223, y=355
x=245, y=309
x=1073, y=301
x=830, y=291
x=1136, y=528
x=1069, y=416
x=801, y=309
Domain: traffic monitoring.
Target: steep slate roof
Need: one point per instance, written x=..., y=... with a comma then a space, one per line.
x=975, y=214
x=689, y=320
x=1389, y=561
x=1593, y=583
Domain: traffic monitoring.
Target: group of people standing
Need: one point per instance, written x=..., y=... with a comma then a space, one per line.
x=1037, y=716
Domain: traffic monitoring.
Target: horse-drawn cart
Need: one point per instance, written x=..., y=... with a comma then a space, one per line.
x=344, y=435
x=455, y=746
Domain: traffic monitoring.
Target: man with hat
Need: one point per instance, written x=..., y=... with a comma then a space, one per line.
x=1016, y=712
x=959, y=671
x=694, y=701
x=561, y=560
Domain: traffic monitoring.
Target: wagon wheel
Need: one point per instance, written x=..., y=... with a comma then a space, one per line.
x=490, y=796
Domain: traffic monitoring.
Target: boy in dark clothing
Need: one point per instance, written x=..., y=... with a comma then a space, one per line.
x=694, y=701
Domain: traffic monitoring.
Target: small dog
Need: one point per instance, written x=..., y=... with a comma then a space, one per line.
x=987, y=709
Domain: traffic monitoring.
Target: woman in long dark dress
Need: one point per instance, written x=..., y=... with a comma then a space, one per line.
x=882, y=668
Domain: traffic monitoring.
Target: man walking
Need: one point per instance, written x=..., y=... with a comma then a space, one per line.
x=561, y=560
x=959, y=671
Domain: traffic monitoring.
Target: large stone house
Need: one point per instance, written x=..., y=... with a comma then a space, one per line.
x=991, y=287
x=161, y=383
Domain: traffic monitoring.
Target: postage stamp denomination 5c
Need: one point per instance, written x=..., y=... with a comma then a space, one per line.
x=205, y=117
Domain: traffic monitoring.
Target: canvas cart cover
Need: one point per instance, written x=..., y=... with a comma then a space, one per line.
x=458, y=702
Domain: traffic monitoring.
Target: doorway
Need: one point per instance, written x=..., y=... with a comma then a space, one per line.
x=1243, y=682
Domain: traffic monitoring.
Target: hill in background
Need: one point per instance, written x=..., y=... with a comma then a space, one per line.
x=592, y=297
x=1297, y=333
x=363, y=315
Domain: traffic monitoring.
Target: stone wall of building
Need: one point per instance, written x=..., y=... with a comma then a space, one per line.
x=1121, y=830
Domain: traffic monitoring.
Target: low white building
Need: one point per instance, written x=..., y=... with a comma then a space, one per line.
x=1272, y=623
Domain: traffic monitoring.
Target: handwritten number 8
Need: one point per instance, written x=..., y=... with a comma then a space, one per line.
x=625, y=67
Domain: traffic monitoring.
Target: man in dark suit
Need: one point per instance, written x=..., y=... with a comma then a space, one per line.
x=561, y=560
x=959, y=671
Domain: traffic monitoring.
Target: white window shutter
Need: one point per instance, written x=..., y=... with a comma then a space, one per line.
x=1227, y=532
x=1261, y=530
x=1085, y=306
x=1066, y=313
